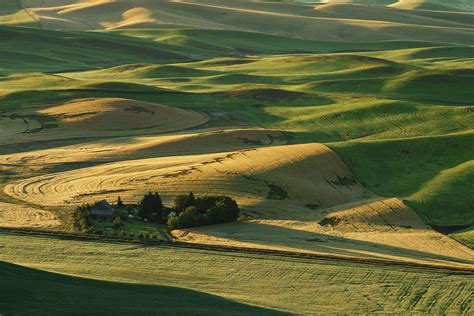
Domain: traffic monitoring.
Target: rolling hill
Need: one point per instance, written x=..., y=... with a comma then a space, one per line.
x=61, y=294
x=333, y=21
x=341, y=128
x=234, y=283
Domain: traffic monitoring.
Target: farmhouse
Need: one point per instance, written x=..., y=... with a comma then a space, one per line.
x=102, y=209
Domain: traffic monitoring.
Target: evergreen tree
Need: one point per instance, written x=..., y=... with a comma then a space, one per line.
x=120, y=204
x=151, y=208
x=179, y=202
x=190, y=201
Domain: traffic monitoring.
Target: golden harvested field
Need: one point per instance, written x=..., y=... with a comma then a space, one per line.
x=309, y=174
x=14, y=215
x=385, y=229
x=135, y=147
x=288, y=284
x=285, y=192
x=90, y=118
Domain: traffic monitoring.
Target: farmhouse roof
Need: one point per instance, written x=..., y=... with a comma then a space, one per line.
x=102, y=206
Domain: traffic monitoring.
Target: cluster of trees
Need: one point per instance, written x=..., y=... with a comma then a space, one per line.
x=189, y=211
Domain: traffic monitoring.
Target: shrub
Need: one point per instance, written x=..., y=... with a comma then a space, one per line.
x=82, y=219
x=173, y=222
x=205, y=203
x=217, y=214
x=130, y=209
x=187, y=220
x=117, y=222
x=203, y=220
x=225, y=210
x=182, y=202
x=231, y=207
x=123, y=217
x=191, y=210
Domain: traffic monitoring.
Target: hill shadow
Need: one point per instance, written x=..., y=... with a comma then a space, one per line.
x=61, y=294
x=278, y=236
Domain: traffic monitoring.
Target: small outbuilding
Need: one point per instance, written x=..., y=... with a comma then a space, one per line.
x=102, y=209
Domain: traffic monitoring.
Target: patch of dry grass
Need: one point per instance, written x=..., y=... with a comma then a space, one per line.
x=14, y=215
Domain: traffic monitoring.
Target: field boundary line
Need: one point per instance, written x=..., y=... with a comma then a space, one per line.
x=233, y=249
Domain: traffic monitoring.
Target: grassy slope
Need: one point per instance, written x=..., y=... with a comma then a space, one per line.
x=339, y=22
x=437, y=5
x=241, y=42
x=11, y=12
x=466, y=236
x=446, y=199
x=398, y=112
x=30, y=49
x=59, y=295
x=294, y=285
x=405, y=89
x=433, y=173
x=324, y=98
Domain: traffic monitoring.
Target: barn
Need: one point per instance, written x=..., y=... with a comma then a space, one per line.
x=102, y=209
